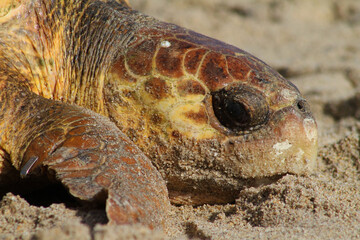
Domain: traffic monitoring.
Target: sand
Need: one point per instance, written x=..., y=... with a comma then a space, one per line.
x=316, y=45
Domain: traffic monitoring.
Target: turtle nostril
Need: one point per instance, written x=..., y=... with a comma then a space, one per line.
x=301, y=105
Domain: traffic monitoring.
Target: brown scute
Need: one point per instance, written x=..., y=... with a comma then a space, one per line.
x=194, y=37
x=139, y=58
x=187, y=87
x=76, y=131
x=213, y=71
x=77, y=121
x=258, y=65
x=120, y=70
x=260, y=79
x=198, y=117
x=209, y=43
x=157, y=87
x=238, y=68
x=193, y=59
x=81, y=142
x=169, y=60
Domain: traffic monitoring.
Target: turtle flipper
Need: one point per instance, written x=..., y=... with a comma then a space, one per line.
x=84, y=151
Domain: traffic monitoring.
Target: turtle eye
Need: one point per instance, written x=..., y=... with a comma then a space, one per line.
x=240, y=109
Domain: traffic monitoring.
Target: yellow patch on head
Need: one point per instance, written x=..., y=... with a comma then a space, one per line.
x=191, y=120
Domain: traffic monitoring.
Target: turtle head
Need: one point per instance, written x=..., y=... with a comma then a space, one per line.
x=211, y=117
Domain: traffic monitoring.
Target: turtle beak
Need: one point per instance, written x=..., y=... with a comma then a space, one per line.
x=298, y=132
x=290, y=146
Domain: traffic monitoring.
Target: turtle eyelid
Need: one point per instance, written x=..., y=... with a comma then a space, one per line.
x=239, y=109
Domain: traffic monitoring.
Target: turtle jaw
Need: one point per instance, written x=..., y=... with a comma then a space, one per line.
x=302, y=133
x=289, y=146
x=216, y=170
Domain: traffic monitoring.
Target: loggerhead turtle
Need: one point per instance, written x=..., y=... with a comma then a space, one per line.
x=189, y=115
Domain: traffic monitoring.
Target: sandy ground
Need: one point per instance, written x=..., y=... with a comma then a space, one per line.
x=316, y=45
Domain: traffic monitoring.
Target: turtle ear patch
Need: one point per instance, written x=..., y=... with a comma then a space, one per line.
x=239, y=109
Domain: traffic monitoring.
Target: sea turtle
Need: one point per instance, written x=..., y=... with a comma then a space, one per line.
x=189, y=115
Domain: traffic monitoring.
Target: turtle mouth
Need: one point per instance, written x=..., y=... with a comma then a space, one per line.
x=286, y=144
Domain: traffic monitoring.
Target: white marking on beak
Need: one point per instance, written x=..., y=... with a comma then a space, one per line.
x=310, y=129
x=299, y=155
x=281, y=146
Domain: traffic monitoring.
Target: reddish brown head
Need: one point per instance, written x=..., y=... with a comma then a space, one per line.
x=209, y=115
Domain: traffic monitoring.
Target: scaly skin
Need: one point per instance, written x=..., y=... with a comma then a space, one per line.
x=88, y=153
x=211, y=117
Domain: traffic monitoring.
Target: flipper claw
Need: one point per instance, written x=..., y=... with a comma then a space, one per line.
x=24, y=171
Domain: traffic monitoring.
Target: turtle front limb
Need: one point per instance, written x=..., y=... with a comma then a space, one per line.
x=84, y=151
